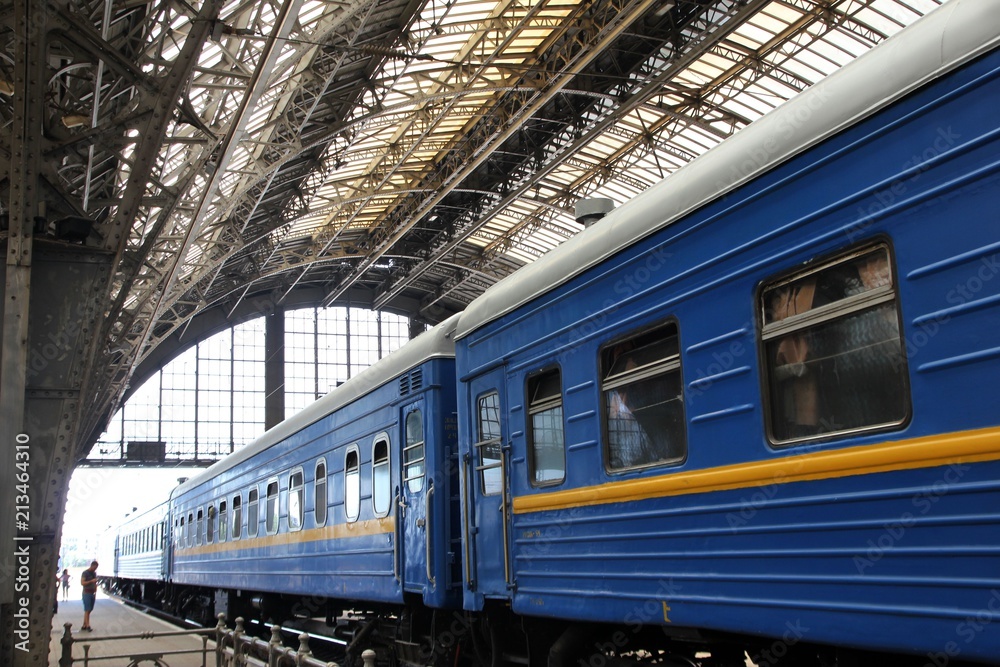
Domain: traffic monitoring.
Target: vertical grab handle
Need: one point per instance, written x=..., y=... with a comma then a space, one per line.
x=464, y=481
x=428, y=539
x=395, y=539
x=505, y=515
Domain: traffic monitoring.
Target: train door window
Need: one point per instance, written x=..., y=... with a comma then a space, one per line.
x=643, y=401
x=253, y=517
x=413, y=452
x=381, y=478
x=488, y=444
x=199, y=533
x=237, y=519
x=179, y=539
x=210, y=524
x=271, y=508
x=833, y=355
x=546, y=448
x=190, y=531
x=319, y=490
x=352, y=484
x=295, y=509
x=223, y=521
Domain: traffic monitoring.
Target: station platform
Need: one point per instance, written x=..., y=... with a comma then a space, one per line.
x=112, y=618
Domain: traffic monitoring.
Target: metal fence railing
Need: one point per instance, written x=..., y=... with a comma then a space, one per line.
x=232, y=648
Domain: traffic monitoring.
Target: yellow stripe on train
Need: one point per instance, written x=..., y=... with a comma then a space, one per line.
x=925, y=452
x=335, y=532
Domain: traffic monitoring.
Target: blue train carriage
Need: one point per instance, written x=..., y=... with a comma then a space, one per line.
x=758, y=401
x=332, y=509
x=137, y=566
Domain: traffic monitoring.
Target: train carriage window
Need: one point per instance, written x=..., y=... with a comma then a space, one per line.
x=834, y=357
x=179, y=538
x=643, y=400
x=413, y=452
x=352, y=485
x=381, y=477
x=319, y=490
x=189, y=536
x=271, y=509
x=253, y=517
x=488, y=445
x=210, y=525
x=200, y=530
x=546, y=448
x=295, y=509
x=237, y=525
x=223, y=521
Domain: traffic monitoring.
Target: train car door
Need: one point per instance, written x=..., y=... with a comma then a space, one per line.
x=413, y=500
x=486, y=481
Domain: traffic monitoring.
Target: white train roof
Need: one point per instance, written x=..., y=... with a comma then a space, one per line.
x=952, y=34
x=438, y=342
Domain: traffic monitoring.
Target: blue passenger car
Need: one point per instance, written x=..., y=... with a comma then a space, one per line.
x=353, y=500
x=760, y=398
x=134, y=557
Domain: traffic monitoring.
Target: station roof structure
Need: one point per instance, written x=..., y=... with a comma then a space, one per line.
x=400, y=154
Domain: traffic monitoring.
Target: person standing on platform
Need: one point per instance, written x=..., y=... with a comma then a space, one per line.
x=64, y=577
x=89, y=582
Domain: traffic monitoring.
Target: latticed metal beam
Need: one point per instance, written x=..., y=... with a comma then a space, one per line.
x=144, y=269
x=492, y=130
x=699, y=36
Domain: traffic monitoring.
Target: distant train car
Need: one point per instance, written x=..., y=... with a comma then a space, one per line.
x=137, y=559
x=352, y=501
x=758, y=400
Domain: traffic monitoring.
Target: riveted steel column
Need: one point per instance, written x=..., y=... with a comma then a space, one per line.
x=22, y=628
x=29, y=91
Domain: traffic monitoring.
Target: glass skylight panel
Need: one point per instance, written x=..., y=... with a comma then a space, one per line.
x=753, y=35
